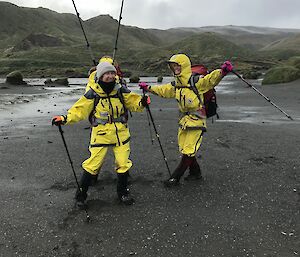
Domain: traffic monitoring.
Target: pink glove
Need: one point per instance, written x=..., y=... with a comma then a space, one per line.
x=226, y=67
x=143, y=86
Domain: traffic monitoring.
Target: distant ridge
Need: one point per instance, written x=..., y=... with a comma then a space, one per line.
x=53, y=43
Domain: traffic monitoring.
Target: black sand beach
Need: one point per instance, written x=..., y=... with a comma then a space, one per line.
x=248, y=204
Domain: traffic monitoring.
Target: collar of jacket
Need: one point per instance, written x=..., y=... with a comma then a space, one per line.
x=97, y=88
x=183, y=79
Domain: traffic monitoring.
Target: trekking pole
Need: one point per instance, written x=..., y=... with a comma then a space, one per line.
x=86, y=40
x=158, y=138
x=71, y=163
x=152, y=140
x=118, y=31
x=267, y=98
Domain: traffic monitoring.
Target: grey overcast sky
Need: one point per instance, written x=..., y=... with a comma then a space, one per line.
x=164, y=14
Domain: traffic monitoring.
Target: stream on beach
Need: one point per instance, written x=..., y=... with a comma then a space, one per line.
x=39, y=100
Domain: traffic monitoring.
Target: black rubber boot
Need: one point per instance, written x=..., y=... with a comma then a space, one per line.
x=81, y=194
x=122, y=190
x=195, y=171
x=178, y=172
x=94, y=180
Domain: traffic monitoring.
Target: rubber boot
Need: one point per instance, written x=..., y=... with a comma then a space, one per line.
x=179, y=171
x=94, y=180
x=81, y=195
x=122, y=190
x=195, y=171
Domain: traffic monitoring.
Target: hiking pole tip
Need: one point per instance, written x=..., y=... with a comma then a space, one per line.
x=88, y=218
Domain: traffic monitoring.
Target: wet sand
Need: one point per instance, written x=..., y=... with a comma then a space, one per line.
x=248, y=204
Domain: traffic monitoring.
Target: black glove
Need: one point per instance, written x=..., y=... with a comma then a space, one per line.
x=145, y=100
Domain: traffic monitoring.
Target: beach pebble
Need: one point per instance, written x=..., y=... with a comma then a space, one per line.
x=55, y=247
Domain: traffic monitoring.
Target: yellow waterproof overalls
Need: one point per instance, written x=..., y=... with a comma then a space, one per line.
x=110, y=124
x=191, y=125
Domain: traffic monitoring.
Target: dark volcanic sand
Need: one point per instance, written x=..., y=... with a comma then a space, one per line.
x=248, y=204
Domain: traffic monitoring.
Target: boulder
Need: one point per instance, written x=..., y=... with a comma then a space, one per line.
x=15, y=78
x=281, y=74
x=160, y=79
x=61, y=81
x=57, y=82
x=134, y=79
x=48, y=81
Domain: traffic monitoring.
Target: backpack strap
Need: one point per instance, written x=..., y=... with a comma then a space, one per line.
x=120, y=93
x=193, y=80
x=91, y=94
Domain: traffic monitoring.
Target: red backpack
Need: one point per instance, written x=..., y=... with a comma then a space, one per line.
x=210, y=98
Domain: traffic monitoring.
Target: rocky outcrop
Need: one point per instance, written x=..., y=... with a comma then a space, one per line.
x=37, y=40
x=281, y=74
x=134, y=79
x=15, y=78
x=57, y=82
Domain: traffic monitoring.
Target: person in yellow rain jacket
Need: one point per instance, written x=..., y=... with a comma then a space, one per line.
x=109, y=103
x=192, y=121
x=119, y=80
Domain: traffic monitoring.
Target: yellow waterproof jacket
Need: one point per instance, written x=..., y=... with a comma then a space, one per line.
x=112, y=129
x=180, y=89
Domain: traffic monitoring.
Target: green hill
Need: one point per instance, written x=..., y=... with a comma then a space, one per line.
x=289, y=43
x=245, y=36
x=208, y=45
x=19, y=22
x=41, y=42
x=283, y=49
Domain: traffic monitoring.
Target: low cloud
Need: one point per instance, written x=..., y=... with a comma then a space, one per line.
x=165, y=14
